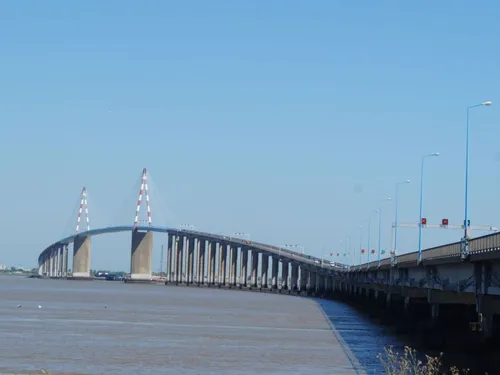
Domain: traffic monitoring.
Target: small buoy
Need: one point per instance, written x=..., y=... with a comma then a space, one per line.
x=18, y=306
x=39, y=306
x=105, y=306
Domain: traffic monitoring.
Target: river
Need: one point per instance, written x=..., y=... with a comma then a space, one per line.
x=104, y=327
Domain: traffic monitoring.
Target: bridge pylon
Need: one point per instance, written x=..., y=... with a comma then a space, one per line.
x=143, y=193
x=141, y=247
x=82, y=244
x=84, y=208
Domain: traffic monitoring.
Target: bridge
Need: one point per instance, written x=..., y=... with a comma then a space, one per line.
x=193, y=257
x=440, y=283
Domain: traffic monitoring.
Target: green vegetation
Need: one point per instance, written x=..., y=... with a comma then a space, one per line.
x=18, y=271
x=408, y=363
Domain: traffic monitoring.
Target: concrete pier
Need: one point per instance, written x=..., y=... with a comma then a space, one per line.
x=170, y=258
x=244, y=264
x=274, y=272
x=212, y=257
x=255, y=266
x=190, y=260
x=200, y=277
x=81, y=257
x=179, y=249
x=141, y=255
x=265, y=267
x=284, y=274
x=234, y=262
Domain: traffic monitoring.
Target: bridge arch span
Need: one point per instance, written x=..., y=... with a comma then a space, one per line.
x=195, y=257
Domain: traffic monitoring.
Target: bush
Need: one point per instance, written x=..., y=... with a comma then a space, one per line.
x=408, y=363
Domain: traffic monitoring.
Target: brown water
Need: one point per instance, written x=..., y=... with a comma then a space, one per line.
x=103, y=327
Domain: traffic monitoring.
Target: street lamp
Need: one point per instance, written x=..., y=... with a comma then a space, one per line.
x=421, y=204
x=369, y=229
x=240, y=234
x=295, y=246
x=380, y=227
x=396, y=200
x=360, y=244
x=465, y=240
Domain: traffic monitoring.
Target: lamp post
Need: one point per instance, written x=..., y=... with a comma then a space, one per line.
x=396, y=200
x=241, y=234
x=421, y=203
x=360, y=244
x=380, y=227
x=368, y=235
x=295, y=246
x=465, y=240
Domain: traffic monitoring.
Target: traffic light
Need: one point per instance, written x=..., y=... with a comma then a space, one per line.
x=373, y=251
x=362, y=251
x=444, y=222
x=424, y=221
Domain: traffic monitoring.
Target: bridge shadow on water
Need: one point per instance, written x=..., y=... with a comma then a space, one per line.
x=365, y=335
x=358, y=334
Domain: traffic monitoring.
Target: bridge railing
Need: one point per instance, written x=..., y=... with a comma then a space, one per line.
x=448, y=250
x=488, y=242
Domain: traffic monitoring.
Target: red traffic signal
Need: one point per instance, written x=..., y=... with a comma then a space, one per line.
x=373, y=251
x=362, y=251
x=424, y=221
x=444, y=222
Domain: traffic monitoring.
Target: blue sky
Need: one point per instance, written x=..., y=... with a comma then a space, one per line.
x=280, y=119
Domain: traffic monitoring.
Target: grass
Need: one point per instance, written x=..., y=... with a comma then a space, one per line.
x=407, y=363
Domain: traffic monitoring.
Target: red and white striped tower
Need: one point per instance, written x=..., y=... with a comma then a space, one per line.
x=83, y=206
x=143, y=191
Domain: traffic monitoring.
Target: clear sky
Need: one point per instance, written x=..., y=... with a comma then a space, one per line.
x=288, y=120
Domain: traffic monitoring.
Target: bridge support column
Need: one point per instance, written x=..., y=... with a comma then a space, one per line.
x=223, y=264
x=81, y=257
x=328, y=285
x=274, y=272
x=265, y=268
x=141, y=255
x=284, y=274
x=65, y=262
x=303, y=279
x=190, y=260
x=202, y=244
x=320, y=283
x=234, y=263
x=52, y=263
x=312, y=281
x=169, y=258
x=60, y=268
x=255, y=266
x=211, y=272
x=485, y=311
x=244, y=264
x=40, y=265
x=46, y=263
x=179, y=247
x=434, y=313
x=294, y=280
